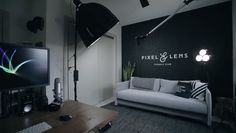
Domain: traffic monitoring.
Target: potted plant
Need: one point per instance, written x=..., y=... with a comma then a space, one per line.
x=128, y=71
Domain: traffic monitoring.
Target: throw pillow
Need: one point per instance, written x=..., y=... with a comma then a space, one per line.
x=144, y=83
x=199, y=90
x=168, y=86
x=184, y=89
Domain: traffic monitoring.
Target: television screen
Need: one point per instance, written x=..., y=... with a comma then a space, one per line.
x=23, y=67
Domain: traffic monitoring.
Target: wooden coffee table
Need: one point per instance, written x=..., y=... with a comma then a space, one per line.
x=86, y=118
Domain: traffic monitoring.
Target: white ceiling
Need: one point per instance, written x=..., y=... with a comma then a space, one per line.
x=131, y=11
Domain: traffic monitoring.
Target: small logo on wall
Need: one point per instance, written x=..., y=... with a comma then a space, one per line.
x=164, y=59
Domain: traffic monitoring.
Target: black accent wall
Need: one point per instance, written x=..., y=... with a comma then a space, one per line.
x=170, y=51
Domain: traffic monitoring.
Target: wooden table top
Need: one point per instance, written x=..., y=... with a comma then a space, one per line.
x=86, y=118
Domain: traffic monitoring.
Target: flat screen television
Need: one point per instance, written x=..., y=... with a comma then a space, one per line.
x=23, y=67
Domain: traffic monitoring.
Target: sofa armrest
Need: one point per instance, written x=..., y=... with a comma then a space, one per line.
x=119, y=87
x=122, y=85
x=209, y=107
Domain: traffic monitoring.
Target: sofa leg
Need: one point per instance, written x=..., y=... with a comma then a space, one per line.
x=116, y=103
x=208, y=123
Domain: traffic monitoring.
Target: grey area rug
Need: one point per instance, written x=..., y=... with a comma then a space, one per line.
x=133, y=120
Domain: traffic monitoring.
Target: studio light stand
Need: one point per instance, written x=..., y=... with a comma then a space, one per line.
x=76, y=72
x=203, y=57
x=92, y=21
x=182, y=5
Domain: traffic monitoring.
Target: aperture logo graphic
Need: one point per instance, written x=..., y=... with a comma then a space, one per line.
x=9, y=68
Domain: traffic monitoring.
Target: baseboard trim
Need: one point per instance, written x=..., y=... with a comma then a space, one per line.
x=105, y=102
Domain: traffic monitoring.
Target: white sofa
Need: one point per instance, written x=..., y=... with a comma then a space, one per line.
x=159, y=95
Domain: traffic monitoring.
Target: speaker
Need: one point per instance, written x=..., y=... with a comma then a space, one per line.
x=5, y=103
x=43, y=103
x=25, y=103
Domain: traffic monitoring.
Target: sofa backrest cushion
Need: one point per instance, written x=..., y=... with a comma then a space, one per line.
x=144, y=83
x=168, y=86
x=184, y=89
x=157, y=84
x=131, y=83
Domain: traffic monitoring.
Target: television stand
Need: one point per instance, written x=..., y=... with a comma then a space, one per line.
x=13, y=101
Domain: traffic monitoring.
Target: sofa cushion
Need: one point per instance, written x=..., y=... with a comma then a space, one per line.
x=135, y=88
x=184, y=89
x=189, y=81
x=157, y=84
x=199, y=90
x=163, y=100
x=168, y=86
x=145, y=83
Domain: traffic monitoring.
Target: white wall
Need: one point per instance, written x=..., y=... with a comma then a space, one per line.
x=92, y=81
x=106, y=69
x=38, y=8
x=97, y=75
x=55, y=11
x=18, y=16
x=116, y=30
